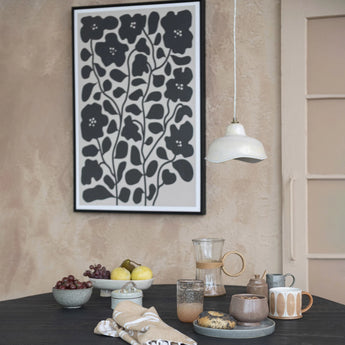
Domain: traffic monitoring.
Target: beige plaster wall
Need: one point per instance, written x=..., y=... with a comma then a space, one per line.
x=42, y=239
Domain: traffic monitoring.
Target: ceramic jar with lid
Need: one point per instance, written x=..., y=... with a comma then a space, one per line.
x=128, y=292
x=257, y=286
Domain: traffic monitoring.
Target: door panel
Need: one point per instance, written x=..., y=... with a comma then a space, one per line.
x=326, y=216
x=325, y=55
x=332, y=272
x=326, y=137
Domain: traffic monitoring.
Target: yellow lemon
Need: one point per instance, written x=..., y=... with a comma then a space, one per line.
x=141, y=273
x=120, y=273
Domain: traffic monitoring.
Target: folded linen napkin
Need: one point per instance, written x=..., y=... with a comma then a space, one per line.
x=140, y=326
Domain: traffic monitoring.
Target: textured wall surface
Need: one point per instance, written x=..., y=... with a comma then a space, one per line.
x=42, y=239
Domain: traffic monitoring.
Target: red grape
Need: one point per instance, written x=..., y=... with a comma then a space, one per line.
x=97, y=271
x=71, y=283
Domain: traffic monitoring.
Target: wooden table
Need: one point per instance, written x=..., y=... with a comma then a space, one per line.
x=39, y=320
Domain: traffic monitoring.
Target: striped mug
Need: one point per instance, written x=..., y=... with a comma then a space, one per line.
x=285, y=303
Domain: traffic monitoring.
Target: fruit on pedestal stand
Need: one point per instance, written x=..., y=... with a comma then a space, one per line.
x=128, y=270
x=120, y=273
x=141, y=273
x=97, y=272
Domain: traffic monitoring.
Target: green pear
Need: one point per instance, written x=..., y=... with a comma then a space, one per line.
x=128, y=265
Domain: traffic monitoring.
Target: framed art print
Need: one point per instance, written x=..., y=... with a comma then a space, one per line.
x=139, y=107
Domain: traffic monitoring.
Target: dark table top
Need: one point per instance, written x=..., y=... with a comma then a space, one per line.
x=40, y=320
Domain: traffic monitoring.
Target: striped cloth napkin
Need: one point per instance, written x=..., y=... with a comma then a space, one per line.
x=140, y=326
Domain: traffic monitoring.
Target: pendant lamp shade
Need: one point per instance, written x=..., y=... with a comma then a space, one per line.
x=236, y=145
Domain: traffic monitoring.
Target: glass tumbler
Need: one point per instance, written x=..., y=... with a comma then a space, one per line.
x=190, y=299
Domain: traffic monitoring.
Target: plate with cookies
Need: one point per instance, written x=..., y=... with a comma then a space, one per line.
x=221, y=325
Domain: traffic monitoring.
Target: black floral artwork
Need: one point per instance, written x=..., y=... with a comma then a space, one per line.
x=136, y=89
x=111, y=51
x=92, y=122
x=177, y=35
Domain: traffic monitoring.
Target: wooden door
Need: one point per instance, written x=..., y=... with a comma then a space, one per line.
x=313, y=144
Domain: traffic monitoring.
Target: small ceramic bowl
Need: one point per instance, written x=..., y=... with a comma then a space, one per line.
x=72, y=298
x=249, y=309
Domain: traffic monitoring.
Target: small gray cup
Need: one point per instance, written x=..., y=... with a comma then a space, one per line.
x=278, y=280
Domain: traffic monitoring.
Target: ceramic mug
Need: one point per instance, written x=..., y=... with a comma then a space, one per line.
x=278, y=280
x=286, y=303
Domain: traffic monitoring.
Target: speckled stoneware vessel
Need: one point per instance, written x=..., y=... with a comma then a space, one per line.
x=248, y=309
x=72, y=298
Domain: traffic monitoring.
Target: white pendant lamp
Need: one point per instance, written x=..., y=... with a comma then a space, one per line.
x=236, y=144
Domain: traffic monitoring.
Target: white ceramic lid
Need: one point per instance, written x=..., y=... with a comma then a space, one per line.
x=128, y=291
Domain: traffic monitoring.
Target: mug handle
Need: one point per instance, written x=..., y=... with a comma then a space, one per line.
x=292, y=276
x=310, y=301
x=243, y=264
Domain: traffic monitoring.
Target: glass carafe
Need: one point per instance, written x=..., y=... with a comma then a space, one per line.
x=210, y=264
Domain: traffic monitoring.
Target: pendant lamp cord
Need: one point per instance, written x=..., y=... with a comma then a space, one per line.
x=235, y=77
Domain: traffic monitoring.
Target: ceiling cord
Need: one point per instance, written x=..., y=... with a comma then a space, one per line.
x=235, y=77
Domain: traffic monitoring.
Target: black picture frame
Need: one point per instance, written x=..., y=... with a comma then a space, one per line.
x=139, y=107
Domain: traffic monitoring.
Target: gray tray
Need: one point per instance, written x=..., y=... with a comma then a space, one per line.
x=266, y=327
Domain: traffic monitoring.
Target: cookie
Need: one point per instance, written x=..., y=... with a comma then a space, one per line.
x=216, y=319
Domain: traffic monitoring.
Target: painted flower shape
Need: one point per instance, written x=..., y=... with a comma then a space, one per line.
x=178, y=88
x=131, y=130
x=179, y=138
x=140, y=65
x=90, y=170
x=177, y=35
x=93, y=122
x=112, y=51
x=131, y=27
x=93, y=27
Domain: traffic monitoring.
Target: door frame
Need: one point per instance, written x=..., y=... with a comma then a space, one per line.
x=294, y=97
